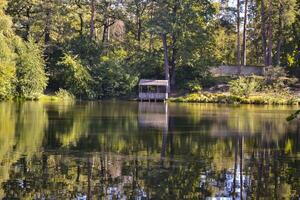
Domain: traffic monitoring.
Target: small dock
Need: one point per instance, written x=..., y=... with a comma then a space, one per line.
x=153, y=90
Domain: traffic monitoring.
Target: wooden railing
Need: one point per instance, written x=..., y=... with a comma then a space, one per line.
x=153, y=96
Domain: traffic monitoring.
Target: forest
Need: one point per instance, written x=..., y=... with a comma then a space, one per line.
x=95, y=49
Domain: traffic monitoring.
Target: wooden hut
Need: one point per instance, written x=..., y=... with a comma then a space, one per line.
x=153, y=90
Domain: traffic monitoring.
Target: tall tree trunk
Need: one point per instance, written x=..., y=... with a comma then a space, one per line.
x=173, y=61
x=296, y=38
x=263, y=32
x=151, y=33
x=151, y=43
x=278, y=55
x=238, y=34
x=257, y=54
x=280, y=37
x=166, y=57
x=78, y=172
x=270, y=33
x=81, y=24
x=104, y=34
x=174, y=49
x=47, y=25
x=244, y=61
x=47, y=32
x=139, y=30
x=80, y=15
x=106, y=25
x=92, y=22
x=27, y=26
x=138, y=22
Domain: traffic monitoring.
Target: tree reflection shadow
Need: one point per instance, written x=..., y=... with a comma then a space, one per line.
x=148, y=151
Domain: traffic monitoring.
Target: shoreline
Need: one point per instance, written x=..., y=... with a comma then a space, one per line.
x=201, y=98
x=226, y=98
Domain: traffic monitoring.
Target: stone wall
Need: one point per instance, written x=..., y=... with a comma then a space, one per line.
x=227, y=70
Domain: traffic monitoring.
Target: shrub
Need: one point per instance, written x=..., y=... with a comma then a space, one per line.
x=194, y=86
x=64, y=95
x=233, y=99
x=276, y=79
x=244, y=86
x=272, y=74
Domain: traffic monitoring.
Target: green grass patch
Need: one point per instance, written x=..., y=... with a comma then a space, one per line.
x=61, y=95
x=227, y=98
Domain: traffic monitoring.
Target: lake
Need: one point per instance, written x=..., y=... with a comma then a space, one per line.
x=131, y=150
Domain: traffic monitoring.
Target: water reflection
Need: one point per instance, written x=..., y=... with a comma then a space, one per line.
x=129, y=150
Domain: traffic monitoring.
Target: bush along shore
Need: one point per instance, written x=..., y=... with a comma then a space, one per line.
x=273, y=88
x=227, y=98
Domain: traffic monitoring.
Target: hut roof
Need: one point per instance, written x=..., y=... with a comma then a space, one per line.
x=154, y=82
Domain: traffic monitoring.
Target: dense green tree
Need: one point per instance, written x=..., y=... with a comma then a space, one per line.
x=187, y=25
x=77, y=78
x=113, y=78
x=182, y=38
x=31, y=77
x=21, y=63
x=7, y=55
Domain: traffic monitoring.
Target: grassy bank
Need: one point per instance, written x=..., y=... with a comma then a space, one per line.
x=227, y=98
x=61, y=95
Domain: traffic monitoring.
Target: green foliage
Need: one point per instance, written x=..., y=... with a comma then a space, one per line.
x=276, y=79
x=244, y=86
x=146, y=64
x=31, y=76
x=64, y=95
x=225, y=46
x=195, y=74
x=260, y=98
x=114, y=76
x=125, y=44
x=77, y=77
x=194, y=87
x=7, y=56
x=87, y=50
x=21, y=64
x=7, y=68
x=274, y=82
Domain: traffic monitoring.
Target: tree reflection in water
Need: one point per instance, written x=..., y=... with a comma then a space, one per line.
x=93, y=150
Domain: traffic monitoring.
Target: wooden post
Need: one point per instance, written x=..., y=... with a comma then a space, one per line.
x=156, y=94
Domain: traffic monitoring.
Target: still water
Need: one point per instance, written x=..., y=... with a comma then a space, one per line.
x=131, y=150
